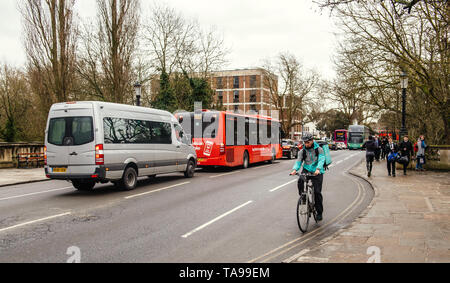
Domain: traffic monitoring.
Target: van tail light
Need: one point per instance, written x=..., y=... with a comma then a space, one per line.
x=99, y=155
x=222, y=148
x=45, y=155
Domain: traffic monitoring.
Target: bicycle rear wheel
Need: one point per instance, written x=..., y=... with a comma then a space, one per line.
x=303, y=211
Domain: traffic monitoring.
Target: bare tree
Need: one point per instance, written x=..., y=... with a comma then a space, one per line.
x=379, y=44
x=402, y=5
x=168, y=38
x=293, y=97
x=50, y=44
x=109, y=48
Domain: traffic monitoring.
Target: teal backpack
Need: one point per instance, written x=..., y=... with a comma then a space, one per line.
x=326, y=152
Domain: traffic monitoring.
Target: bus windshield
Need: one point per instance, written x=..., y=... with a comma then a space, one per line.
x=356, y=138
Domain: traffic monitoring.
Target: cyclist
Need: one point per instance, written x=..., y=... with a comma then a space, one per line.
x=313, y=163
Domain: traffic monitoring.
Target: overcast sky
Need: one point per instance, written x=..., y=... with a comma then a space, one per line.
x=252, y=29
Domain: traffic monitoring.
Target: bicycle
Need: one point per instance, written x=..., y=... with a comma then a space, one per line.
x=306, y=203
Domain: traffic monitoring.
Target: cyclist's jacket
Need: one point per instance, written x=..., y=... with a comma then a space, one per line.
x=312, y=162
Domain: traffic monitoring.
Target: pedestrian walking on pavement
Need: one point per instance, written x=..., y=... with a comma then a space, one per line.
x=384, y=143
x=391, y=154
x=420, y=157
x=406, y=151
x=378, y=148
x=371, y=148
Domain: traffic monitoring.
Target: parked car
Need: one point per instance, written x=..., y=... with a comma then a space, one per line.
x=332, y=145
x=341, y=146
x=290, y=149
x=97, y=142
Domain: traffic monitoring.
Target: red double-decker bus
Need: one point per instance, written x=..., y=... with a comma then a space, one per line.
x=341, y=136
x=223, y=138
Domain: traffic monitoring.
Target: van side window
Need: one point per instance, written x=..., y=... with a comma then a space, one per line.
x=128, y=131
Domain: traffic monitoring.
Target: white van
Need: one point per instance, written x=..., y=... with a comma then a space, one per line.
x=91, y=142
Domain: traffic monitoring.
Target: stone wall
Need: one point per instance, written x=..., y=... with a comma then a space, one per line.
x=9, y=151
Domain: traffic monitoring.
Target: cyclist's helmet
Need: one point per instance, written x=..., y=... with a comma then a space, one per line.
x=307, y=137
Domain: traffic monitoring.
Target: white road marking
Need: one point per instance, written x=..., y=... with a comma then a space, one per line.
x=284, y=185
x=37, y=193
x=430, y=206
x=224, y=174
x=215, y=219
x=339, y=162
x=34, y=221
x=158, y=190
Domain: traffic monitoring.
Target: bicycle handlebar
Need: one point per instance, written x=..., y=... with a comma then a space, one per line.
x=309, y=174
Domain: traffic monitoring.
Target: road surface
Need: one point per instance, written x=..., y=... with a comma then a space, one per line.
x=221, y=215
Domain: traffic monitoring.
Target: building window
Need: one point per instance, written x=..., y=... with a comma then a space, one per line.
x=253, y=108
x=220, y=97
x=253, y=96
x=219, y=83
x=236, y=108
x=236, y=96
x=236, y=82
x=252, y=81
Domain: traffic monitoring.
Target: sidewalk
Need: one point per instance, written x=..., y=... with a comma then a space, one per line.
x=21, y=176
x=408, y=221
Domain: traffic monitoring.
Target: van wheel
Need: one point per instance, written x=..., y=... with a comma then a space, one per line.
x=190, y=169
x=245, y=161
x=83, y=185
x=129, y=179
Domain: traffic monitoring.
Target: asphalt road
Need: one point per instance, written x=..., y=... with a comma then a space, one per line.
x=221, y=215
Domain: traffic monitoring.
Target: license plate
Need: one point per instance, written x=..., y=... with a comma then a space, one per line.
x=200, y=159
x=59, y=170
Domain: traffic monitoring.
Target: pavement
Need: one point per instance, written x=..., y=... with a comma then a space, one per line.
x=21, y=176
x=407, y=221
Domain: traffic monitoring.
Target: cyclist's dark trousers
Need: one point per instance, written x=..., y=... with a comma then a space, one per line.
x=317, y=183
x=391, y=167
x=369, y=161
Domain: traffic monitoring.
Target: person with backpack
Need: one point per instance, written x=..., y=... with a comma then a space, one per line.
x=406, y=151
x=312, y=157
x=391, y=153
x=420, y=156
x=371, y=148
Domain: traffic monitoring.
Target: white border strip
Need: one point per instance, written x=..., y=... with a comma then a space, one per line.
x=34, y=221
x=158, y=190
x=37, y=193
x=215, y=219
x=284, y=185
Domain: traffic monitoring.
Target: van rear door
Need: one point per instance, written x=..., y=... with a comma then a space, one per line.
x=57, y=153
x=71, y=141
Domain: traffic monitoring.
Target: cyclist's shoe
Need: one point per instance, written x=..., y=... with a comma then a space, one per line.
x=319, y=217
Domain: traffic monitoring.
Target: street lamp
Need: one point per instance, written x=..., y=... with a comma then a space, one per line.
x=404, y=86
x=137, y=89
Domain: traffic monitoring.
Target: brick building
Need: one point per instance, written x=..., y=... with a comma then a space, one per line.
x=242, y=90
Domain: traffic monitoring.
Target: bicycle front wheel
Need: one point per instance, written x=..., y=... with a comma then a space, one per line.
x=303, y=211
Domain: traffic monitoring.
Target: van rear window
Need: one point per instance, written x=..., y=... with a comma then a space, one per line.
x=69, y=131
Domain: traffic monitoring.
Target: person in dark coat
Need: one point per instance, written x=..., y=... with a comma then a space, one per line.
x=391, y=147
x=384, y=142
x=406, y=150
x=378, y=148
x=371, y=147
